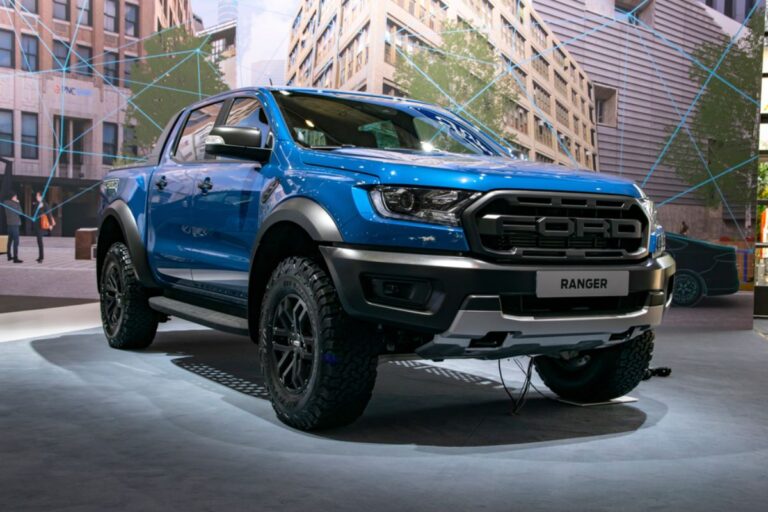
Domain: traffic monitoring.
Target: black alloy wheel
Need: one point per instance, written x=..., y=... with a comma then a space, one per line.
x=293, y=343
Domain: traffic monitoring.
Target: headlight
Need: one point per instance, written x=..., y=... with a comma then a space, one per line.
x=658, y=236
x=433, y=205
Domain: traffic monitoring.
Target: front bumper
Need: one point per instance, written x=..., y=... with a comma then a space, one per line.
x=465, y=304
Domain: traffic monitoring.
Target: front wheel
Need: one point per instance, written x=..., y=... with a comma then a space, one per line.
x=598, y=375
x=319, y=365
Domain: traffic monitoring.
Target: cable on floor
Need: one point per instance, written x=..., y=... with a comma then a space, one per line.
x=518, y=403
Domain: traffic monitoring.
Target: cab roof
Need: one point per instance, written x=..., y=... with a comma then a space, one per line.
x=326, y=92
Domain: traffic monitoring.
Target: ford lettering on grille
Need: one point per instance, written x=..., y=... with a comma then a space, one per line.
x=531, y=226
x=560, y=226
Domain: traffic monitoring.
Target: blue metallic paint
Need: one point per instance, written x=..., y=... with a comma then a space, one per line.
x=217, y=232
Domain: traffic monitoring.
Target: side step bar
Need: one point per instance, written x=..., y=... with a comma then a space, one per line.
x=199, y=315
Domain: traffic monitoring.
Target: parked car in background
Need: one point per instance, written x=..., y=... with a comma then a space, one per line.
x=704, y=269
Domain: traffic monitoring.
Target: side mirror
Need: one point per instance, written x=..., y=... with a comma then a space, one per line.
x=237, y=142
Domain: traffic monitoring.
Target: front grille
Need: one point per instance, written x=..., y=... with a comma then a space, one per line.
x=534, y=226
x=530, y=305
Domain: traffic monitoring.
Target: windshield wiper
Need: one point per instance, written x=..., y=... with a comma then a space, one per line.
x=332, y=147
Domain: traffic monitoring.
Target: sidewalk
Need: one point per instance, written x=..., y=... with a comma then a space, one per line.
x=60, y=275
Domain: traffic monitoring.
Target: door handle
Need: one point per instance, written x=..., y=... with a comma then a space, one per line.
x=161, y=183
x=205, y=186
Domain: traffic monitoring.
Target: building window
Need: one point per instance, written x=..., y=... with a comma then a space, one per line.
x=61, y=55
x=398, y=40
x=86, y=54
x=109, y=144
x=390, y=90
x=543, y=132
x=6, y=133
x=26, y=6
x=543, y=158
x=132, y=20
x=130, y=147
x=540, y=65
x=29, y=53
x=111, y=69
x=517, y=117
x=728, y=8
x=355, y=56
x=607, y=105
x=61, y=9
x=542, y=98
x=748, y=5
x=110, y=15
x=562, y=115
x=7, y=49
x=29, y=134
x=128, y=70
x=519, y=151
x=641, y=10
x=711, y=3
x=539, y=35
x=86, y=17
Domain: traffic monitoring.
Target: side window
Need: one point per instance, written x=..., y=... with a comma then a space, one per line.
x=248, y=112
x=191, y=146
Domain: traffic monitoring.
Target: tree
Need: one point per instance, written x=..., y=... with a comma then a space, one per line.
x=762, y=181
x=725, y=125
x=462, y=66
x=172, y=74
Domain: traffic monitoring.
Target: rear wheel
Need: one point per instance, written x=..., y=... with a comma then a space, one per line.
x=127, y=319
x=598, y=375
x=318, y=364
x=688, y=291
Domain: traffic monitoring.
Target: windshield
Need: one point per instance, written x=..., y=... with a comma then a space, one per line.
x=326, y=122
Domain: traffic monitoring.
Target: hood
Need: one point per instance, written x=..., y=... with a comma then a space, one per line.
x=470, y=172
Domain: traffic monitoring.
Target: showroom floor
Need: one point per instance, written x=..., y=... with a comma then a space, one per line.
x=185, y=426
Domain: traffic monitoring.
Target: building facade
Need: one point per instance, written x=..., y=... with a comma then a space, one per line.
x=353, y=45
x=635, y=73
x=52, y=96
x=223, y=40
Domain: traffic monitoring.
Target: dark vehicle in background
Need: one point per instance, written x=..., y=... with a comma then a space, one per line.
x=704, y=269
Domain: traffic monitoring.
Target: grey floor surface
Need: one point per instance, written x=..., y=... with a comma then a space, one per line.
x=185, y=426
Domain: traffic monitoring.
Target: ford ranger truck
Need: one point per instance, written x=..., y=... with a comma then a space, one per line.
x=338, y=229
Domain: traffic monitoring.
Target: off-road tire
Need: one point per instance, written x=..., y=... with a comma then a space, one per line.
x=136, y=325
x=607, y=373
x=344, y=354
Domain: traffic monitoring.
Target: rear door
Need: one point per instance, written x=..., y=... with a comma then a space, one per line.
x=172, y=233
x=227, y=207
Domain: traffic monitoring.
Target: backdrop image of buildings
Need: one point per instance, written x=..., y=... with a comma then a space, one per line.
x=52, y=96
x=356, y=45
x=641, y=69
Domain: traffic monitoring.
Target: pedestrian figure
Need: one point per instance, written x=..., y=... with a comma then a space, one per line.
x=13, y=207
x=684, y=229
x=44, y=225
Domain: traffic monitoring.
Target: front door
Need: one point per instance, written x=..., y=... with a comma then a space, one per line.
x=227, y=209
x=172, y=233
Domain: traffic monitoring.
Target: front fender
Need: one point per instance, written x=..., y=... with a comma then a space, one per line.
x=122, y=214
x=306, y=213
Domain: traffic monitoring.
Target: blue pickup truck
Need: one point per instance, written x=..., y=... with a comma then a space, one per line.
x=338, y=229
